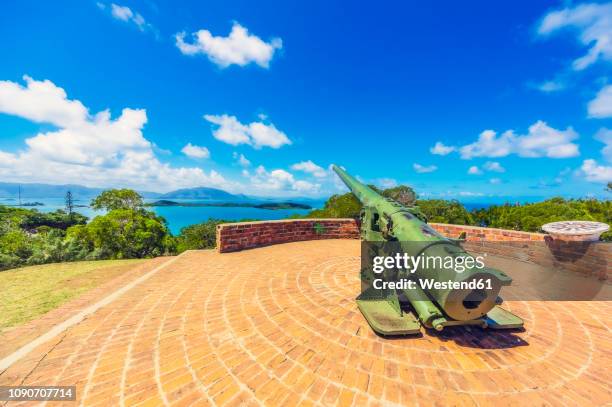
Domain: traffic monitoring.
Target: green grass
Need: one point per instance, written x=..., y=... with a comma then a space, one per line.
x=28, y=292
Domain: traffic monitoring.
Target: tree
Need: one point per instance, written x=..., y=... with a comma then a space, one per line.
x=402, y=194
x=197, y=237
x=530, y=217
x=117, y=199
x=338, y=206
x=124, y=234
x=609, y=187
x=442, y=211
x=69, y=203
x=32, y=220
x=347, y=206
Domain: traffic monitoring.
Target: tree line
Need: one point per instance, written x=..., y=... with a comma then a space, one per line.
x=528, y=217
x=129, y=230
x=126, y=230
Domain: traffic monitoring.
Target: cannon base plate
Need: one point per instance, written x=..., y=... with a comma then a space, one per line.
x=499, y=318
x=384, y=319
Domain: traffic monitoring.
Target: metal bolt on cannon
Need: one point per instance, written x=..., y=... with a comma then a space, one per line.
x=386, y=223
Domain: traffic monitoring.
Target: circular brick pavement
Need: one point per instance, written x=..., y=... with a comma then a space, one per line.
x=279, y=326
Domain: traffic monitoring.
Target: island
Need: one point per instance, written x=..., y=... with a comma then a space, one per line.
x=267, y=205
x=30, y=204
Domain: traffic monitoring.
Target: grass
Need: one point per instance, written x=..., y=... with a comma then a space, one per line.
x=28, y=292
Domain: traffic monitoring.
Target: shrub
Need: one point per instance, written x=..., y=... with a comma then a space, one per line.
x=124, y=234
x=17, y=243
x=338, y=206
x=402, y=194
x=200, y=236
x=9, y=261
x=117, y=199
x=443, y=211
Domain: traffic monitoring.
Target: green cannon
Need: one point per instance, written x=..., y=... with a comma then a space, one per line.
x=418, y=281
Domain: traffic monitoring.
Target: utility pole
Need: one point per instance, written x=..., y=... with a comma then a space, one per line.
x=69, y=203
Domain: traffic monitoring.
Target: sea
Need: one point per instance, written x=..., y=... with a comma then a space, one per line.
x=178, y=216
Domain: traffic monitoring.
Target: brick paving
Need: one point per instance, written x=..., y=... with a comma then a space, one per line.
x=13, y=338
x=279, y=326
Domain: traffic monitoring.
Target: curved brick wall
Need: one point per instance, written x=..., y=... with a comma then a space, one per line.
x=475, y=233
x=247, y=235
x=587, y=258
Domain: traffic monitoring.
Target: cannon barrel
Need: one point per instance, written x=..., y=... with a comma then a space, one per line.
x=383, y=219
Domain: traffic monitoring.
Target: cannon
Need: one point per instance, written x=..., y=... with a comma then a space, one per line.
x=432, y=291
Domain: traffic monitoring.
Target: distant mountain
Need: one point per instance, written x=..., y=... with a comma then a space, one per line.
x=10, y=190
x=28, y=191
x=269, y=205
x=203, y=193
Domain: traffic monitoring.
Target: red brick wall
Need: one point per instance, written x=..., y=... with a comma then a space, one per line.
x=246, y=235
x=538, y=248
x=475, y=233
x=588, y=258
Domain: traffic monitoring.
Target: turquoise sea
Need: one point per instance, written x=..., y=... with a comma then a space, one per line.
x=179, y=216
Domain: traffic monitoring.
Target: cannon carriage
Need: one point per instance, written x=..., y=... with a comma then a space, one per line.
x=438, y=296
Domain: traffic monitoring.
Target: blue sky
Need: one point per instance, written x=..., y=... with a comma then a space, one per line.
x=261, y=97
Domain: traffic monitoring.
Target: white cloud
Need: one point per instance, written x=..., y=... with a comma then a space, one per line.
x=493, y=166
x=195, y=151
x=605, y=136
x=40, y=102
x=256, y=134
x=474, y=170
x=121, y=12
x=601, y=106
x=594, y=172
x=127, y=15
x=93, y=150
x=488, y=145
x=540, y=141
x=280, y=180
x=311, y=168
x=386, y=183
x=470, y=193
x=305, y=187
x=441, y=149
x=241, y=159
x=7, y=160
x=592, y=23
x=495, y=181
x=551, y=86
x=421, y=169
x=239, y=48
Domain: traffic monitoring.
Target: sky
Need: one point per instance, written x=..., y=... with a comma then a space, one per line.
x=489, y=101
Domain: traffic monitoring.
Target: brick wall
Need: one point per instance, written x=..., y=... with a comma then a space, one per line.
x=246, y=235
x=539, y=248
x=475, y=233
x=588, y=258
